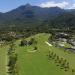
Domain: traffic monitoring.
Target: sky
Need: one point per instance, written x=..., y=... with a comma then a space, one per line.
x=7, y=5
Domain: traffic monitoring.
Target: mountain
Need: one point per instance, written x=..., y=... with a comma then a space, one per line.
x=28, y=11
x=65, y=21
x=27, y=16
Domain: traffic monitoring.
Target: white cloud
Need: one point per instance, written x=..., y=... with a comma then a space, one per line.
x=72, y=6
x=54, y=4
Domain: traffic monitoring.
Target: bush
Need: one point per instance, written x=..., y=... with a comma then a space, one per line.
x=35, y=48
x=23, y=43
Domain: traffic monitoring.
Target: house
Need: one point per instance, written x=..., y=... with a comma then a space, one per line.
x=62, y=37
x=70, y=49
x=72, y=42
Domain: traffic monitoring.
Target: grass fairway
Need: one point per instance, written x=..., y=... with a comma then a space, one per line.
x=37, y=63
x=3, y=60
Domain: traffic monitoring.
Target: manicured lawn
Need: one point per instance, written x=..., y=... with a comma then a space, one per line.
x=69, y=56
x=3, y=60
x=37, y=63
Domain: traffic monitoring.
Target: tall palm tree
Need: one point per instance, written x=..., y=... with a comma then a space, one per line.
x=57, y=59
x=49, y=55
x=60, y=61
x=54, y=56
x=52, y=53
x=63, y=64
x=67, y=66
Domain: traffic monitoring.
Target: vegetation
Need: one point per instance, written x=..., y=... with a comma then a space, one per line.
x=37, y=58
x=12, y=60
x=35, y=63
x=29, y=54
x=3, y=58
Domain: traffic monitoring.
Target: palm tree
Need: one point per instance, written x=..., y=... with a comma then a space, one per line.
x=54, y=56
x=63, y=64
x=50, y=55
x=57, y=59
x=60, y=61
x=66, y=66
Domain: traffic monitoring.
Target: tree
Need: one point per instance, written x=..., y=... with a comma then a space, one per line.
x=63, y=63
x=49, y=55
x=60, y=61
x=12, y=59
x=67, y=66
x=23, y=43
x=52, y=37
x=73, y=71
x=54, y=56
x=57, y=59
x=11, y=49
x=32, y=40
x=35, y=48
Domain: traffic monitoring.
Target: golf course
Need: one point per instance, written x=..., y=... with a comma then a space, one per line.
x=37, y=62
x=37, y=37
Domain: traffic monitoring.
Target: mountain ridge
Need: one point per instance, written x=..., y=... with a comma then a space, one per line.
x=31, y=16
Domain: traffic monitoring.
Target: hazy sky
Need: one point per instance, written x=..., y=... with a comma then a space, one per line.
x=7, y=5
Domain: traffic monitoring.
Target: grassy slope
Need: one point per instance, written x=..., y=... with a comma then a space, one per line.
x=37, y=63
x=3, y=60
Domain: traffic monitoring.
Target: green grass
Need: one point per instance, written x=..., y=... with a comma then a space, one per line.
x=69, y=56
x=37, y=63
x=3, y=60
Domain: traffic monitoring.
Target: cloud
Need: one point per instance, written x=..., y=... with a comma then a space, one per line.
x=72, y=6
x=54, y=4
